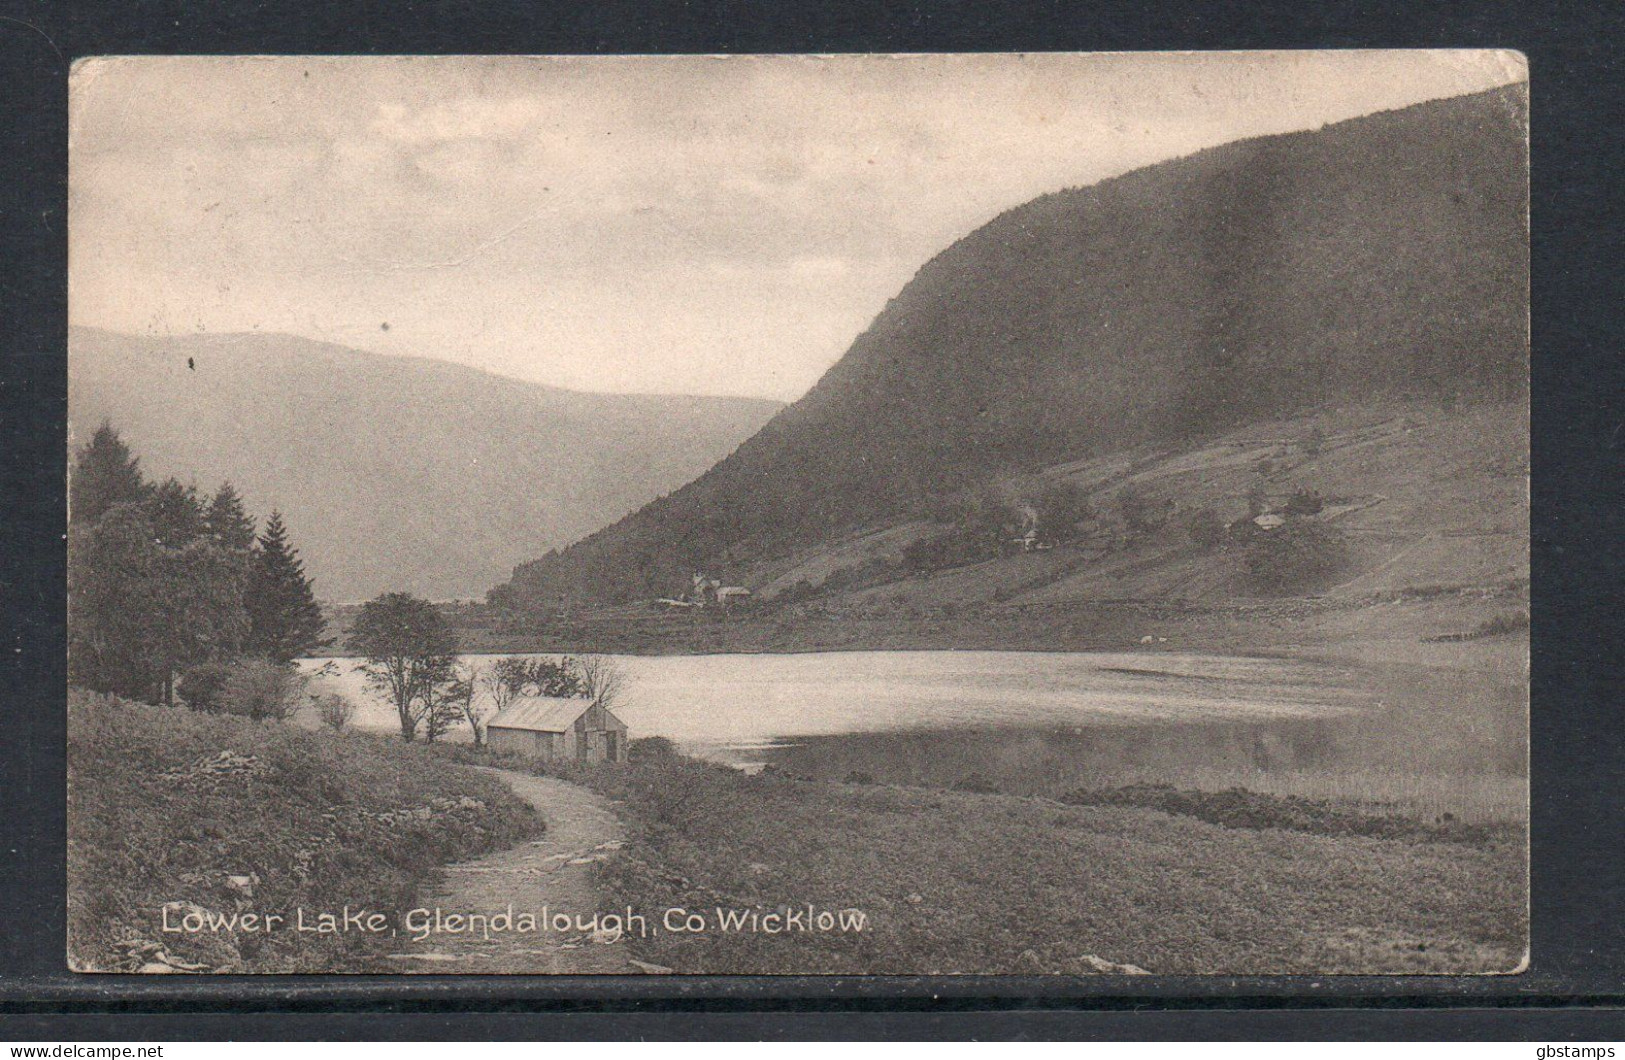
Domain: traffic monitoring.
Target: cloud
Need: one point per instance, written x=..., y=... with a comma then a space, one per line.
x=682, y=223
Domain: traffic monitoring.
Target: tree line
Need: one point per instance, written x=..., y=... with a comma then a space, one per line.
x=167, y=587
x=409, y=657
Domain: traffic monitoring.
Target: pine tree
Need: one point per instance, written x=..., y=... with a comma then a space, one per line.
x=105, y=475
x=228, y=522
x=140, y=612
x=176, y=513
x=150, y=594
x=113, y=602
x=285, y=620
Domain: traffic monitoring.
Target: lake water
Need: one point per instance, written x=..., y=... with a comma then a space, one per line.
x=747, y=709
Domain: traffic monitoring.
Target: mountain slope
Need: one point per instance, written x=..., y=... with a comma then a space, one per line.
x=1383, y=255
x=392, y=472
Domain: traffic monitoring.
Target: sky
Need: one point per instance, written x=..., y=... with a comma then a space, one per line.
x=699, y=225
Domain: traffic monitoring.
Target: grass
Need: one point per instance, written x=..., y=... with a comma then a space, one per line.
x=962, y=882
x=1498, y=626
x=312, y=820
x=1425, y=797
x=1237, y=807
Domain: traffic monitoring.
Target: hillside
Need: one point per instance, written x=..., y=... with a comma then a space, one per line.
x=395, y=473
x=1379, y=258
x=1430, y=503
x=176, y=812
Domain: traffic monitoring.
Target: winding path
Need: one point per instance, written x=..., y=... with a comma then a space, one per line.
x=555, y=871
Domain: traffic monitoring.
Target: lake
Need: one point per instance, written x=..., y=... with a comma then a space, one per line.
x=731, y=707
x=1048, y=722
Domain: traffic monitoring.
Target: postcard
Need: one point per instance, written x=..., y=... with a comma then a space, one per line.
x=1034, y=514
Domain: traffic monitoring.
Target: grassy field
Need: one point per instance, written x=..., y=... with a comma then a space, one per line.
x=167, y=806
x=963, y=882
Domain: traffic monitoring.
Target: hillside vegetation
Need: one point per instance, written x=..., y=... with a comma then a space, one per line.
x=1428, y=507
x=1379, y=259
x=394, y=472
x=220, y=814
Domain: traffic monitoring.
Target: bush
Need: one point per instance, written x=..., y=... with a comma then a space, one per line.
x=858, y=776
x=204, y=687
x=1139, y=512
x=1515, y=622
x=1061, y=507
x=1304, y=502
x=1301, y=556
x=1206, y=528
x=977, y=784
x=957, y=548
x=652, y=749
x=264, y=690
x=556, y=680
x=335, y=711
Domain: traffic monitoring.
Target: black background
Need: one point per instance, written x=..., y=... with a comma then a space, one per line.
x=1575, y=988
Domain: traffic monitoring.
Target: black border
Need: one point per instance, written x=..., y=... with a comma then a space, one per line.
x=1575, y=988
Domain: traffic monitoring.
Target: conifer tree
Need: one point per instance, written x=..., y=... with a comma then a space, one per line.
x=140, y=612
x=104, y=475
x=177, y=514
x=228, y=522
x=150, y=592
x=112, y=603
x=285, y=620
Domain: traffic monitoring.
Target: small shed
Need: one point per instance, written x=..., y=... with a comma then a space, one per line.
x=558, y=729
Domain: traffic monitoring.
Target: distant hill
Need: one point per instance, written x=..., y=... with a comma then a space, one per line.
x=1382, y=256
x=393, y=472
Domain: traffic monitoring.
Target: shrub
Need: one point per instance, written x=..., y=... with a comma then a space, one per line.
x=335, y=711
x=978, y=784
x=1140, y=513
x=652, y=749
x=872, y=571
x=1500, y=624
x=858, y=776
x=1061, y=507
x=1304, y=502
x=1297, y=557
x=1206, y=528
x=204, y=687
x=556, y=680
x=795, y=594
x=957, y=548
x=261, y=689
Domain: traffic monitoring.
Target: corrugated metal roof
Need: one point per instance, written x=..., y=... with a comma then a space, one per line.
x=541, y=714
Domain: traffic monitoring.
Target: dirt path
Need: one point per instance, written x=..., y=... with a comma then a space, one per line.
x=555, y=872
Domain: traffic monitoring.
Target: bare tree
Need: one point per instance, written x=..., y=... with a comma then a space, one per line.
x=334, y=711
x=603, y=680
x=259, y=688
x=443, y=702
x=505, y=681
x=465, y=693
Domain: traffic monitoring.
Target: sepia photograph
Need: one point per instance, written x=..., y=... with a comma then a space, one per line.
x=1056, y=514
